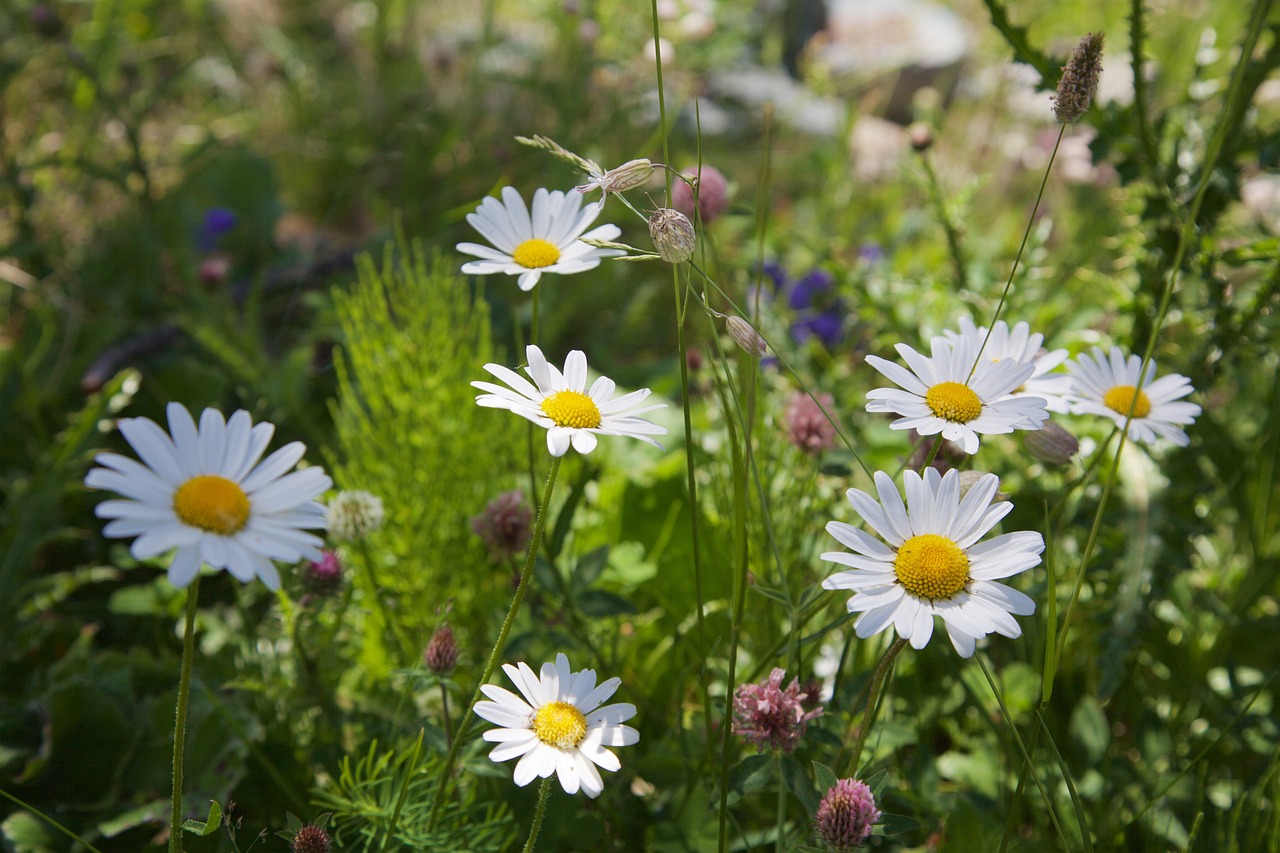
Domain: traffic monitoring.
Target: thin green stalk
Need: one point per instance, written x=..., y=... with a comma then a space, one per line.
x=452, y=758
x=375, y=590
x=44, y=817
x=873, y=702
x=948, y=227
x=180, y=722
x=781, y=818
x=544, y=794
x=410, y=768
x=444, y=714
x=1017, y=259
x=1026, y=756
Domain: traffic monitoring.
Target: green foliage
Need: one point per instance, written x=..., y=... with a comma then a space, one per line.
x=364, y=796
x=414, y=337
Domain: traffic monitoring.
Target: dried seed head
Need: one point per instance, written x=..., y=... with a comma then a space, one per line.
x=746, y=336
x=1079, y=81
x=672, y=234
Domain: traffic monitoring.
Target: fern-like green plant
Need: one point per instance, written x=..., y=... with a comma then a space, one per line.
x=414, y=336
x=364, y=796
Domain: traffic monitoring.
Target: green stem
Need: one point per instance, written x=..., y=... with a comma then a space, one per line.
x=44, y=817
x=452, y=758
x=375, y=590
x=444, y=713
x=1026, y=234
x=781, y=818
x=948, y=227
x=544, y=794
x=410, y=768
x=873, y=701
x=180, y=722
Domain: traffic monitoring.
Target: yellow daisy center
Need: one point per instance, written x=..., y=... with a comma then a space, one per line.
x=536, y=253
x=1120, y=398
x=953, y=401
x=931, y=566
x=212, y=503
x=572, y=409
x=559, y=724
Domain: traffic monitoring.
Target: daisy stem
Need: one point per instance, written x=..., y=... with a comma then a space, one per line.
x=948, y=227
x=873, y=700
x=538, y=526
x=544, y=794
x=180, y=722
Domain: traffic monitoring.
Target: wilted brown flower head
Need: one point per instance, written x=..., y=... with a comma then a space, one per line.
x=1079, y=81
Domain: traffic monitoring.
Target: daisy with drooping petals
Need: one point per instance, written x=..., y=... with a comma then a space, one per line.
x=1107, y=383
x=954, y=393
x=546, y=242
x=559, y=726
x=560, y=402
x=202, y=491
x=1025, y=348
x=933, y=564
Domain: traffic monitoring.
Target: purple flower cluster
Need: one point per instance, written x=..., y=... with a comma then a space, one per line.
x=846, y=814
x=769, y=716
x=820, y=313
x=505, y=526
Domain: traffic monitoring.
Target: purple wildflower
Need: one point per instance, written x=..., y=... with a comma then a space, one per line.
x=768, y=715
x=846, y=814
x=505, y=525
x=807, y=427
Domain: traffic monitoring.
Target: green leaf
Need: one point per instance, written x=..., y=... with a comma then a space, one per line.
x=597, y=602
x=823, y=777
x=589, y=567
x=205, y=827
x=894, y=824
x=1090, y=731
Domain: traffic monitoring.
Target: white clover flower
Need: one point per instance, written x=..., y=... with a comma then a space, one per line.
x=354, y=515
x=558, y=726
x=1107, y=383
x=560, y=402
x=203, y=492
x=1024, y=348
x=954, y=393
x=933, y=564
x=549, y=241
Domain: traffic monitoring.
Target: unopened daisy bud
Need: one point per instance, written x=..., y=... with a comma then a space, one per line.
x=1051, y=444
x=354, y=515
x=441, y=653
x=1079, y=81
x=846, y=814
x=629, y=175
x=311, y=839
x=672, y=234
x=323, y=577
x=745, y=336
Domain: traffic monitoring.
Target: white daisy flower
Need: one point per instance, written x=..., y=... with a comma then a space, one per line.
x=559, y=726
x=549, y=241
x=956, y=394
x=203, y=491
x=1106, y=384
x=1023, y=347
x=933, y=564
x=571, y=415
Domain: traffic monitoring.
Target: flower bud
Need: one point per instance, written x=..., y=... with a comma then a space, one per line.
x=920, y=135
x=846, y=814
x=1051, y=444
x=629, y=175
x=311, y=839
x=672, y=234
x=713, y=193
x=1079, y=81
x=324, y=577
x=441, y=653
x=745, y=336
